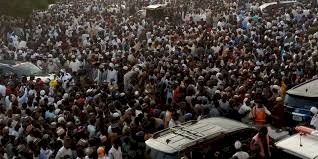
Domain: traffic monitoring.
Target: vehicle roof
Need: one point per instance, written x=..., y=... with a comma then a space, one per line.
x=265, y=5
x=308, y=149
x=178, y=138
x=306, y=89
x=11, y=62
x=156, y=6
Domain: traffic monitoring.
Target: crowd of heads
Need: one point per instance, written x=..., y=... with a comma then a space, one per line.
x=118, y=78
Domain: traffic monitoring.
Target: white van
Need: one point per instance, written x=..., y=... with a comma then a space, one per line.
x=199, y=139
x=267, y=7
x=299, y=146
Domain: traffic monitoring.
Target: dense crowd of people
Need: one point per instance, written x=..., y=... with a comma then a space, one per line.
x=118, y=78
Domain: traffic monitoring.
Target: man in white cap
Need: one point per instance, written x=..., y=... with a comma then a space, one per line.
x=75, y=64
x=240, y=154
x=314, y=119
x=112, y=74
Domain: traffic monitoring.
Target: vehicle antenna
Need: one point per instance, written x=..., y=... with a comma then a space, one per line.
x=300, y=135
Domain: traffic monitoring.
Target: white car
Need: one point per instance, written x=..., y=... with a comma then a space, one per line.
x=263, y=7
x=302, y=145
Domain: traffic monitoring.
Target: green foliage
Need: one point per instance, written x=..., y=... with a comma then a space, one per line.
x=21, y=8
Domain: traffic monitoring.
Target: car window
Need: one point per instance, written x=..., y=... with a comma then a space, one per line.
x=27, y=69
x=154, y=154
x=206, y=149
x=300, y=102
x=6, y=71
x=244, y=136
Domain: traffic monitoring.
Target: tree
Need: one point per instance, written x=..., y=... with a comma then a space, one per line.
x=21, y=8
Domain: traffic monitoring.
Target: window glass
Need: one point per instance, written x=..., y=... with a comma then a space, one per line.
x=244, y=136
x=206, y=149
x=27, y=69
x=154, y=154
x=6, y=71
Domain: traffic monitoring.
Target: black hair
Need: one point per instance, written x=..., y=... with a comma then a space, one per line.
x=263, y=130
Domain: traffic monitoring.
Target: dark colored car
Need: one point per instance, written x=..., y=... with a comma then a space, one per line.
x=299, y=99
x=21, y=69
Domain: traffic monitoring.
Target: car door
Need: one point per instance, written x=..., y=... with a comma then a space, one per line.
x=244, y=136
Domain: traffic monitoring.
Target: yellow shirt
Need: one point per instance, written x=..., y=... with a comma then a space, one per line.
x=53, y=83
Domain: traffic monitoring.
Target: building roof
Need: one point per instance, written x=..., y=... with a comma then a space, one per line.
x=306, y=89
x=291, y=145
x=178, y=138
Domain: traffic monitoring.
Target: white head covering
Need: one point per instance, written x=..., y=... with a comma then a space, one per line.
x=91, y=129
x=111, y=65
x=61, y=120
x=42, y=92
x=314, y=110
x=103, y=138
x=116, y=115
x=60, y=131
x=218, y=74
x=65, y=95
x=237, y=144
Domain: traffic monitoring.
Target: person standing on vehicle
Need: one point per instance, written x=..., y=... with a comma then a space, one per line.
x=314, y=119
x=260, y=144
x=259, y=113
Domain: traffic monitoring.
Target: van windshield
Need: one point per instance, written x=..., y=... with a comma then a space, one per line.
x=154, y=154
x=300, y=102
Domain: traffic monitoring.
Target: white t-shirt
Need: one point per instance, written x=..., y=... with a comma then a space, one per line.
x=63, y=152
x=115, y=153
x=173, y=123
x=314, y=121
x=75, y=66
x=112, y=75
x=241, y=155
x=3, y=90
x=244, y=109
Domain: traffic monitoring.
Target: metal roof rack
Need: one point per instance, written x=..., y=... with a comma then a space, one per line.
x=177, y=138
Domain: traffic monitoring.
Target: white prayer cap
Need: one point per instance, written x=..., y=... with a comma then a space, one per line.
x=237, y=144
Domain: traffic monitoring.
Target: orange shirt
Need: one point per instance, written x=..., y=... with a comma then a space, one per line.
x=260, y=115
